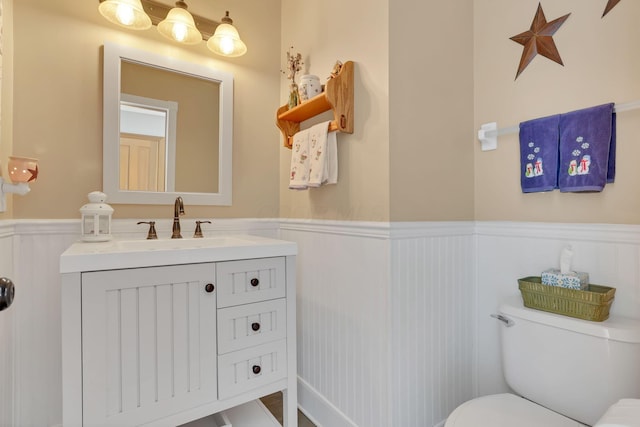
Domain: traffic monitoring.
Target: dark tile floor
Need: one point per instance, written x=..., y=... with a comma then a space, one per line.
x=274, y=403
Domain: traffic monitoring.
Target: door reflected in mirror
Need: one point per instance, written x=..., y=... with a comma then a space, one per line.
x=172, y=130
x=145, y=127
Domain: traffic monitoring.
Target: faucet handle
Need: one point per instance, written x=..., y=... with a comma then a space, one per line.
x=152, y=229
x=198, y=232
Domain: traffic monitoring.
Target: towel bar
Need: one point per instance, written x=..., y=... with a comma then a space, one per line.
x=488, y=133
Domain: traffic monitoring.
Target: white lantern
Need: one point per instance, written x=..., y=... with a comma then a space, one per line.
x=96, y=218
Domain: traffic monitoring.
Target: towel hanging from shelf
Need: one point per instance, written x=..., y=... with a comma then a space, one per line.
x=488, y=133
x=314, y=157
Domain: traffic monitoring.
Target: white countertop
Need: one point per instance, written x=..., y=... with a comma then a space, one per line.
x=117, y=254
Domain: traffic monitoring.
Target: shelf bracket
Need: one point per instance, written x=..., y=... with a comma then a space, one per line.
x=337, y=97
x=488, y=136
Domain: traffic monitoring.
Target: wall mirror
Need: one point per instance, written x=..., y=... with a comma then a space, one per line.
x=167, y=129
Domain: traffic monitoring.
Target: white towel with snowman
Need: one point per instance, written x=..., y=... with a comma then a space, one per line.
x=314, y=158
x=299, y=174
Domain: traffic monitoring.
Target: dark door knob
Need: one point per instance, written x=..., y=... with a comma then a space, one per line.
x=7, y=292
x=256, y=369
x=255, y=282
x=209, y=287
x=255, y=326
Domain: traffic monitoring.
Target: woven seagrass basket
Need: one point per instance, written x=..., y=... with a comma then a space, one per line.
x=590, y=304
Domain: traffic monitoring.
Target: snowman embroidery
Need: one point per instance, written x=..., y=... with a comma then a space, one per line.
x=529, y=171
x=535, y=168
x=538, y=167
x=573, y=168
x=585, y=162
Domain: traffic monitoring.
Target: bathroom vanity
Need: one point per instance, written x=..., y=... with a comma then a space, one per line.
x=165, y=332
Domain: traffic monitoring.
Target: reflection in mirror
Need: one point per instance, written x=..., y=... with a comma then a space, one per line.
x=147, y=140
x=167, y=130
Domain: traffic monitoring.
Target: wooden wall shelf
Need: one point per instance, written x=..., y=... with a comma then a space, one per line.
x=337, y=96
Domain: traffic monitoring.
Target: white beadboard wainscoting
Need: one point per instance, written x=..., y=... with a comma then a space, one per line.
x=30, y=351
x=7, y=323
x=407, y=353
x=393, y=318
x=433, y=316
x=385, y=321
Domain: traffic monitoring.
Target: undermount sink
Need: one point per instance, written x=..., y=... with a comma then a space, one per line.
x=130, y=253
x=169, y=244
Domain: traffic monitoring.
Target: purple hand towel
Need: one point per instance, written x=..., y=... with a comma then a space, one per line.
x=611, y=167
x=587, y=149
x=539, y=154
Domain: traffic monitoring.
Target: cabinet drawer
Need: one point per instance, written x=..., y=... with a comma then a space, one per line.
x=247, y=281
x=253, y=367
x=251, y=324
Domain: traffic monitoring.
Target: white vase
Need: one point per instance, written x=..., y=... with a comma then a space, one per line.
x=309, y=87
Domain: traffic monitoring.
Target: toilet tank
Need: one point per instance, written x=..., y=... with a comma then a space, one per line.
x=575, y=367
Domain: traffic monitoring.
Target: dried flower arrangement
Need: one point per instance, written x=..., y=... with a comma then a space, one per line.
x=294, y=65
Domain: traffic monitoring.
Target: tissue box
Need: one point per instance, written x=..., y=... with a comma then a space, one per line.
x=571, y=280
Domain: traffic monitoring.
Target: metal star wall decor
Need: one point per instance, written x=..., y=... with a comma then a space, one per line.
x=610, y=5
x=34, y=174
x=539, y=39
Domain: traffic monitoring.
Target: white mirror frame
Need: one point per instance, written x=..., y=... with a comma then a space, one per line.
x=113, y=56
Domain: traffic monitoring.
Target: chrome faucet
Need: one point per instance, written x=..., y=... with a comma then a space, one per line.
x=178, y=209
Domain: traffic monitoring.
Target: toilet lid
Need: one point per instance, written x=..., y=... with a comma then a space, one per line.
x=506, y=410
x=624, y=413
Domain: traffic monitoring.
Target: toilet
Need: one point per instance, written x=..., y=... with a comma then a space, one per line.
x=564, y=372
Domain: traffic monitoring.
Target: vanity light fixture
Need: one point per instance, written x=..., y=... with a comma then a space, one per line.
x=22, y=171
x=179, y=25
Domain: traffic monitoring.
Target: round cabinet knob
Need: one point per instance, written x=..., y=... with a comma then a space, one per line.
x=209, y=287
x=255, y=282
x=7, y=292
x=255, y=326
x=256, y=369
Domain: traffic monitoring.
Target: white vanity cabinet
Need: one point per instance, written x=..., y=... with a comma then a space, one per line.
x=163, y=344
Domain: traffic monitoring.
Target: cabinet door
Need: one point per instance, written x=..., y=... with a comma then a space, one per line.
x=148, y=343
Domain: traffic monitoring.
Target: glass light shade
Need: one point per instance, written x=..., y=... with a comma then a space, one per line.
x=126, y=13
x=179, y=26
x=22, y=169
x=226, y=41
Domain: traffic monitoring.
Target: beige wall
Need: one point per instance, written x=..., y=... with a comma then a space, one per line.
x=414, y=154
x=409, y=157
x=324, y=31
x=431, y=110
x=601, y=64
x=6, y=110
x=57, y=108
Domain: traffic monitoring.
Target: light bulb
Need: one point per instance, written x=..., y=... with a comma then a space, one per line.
x=226, y=45
x=124, y=14
x=179, y=32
